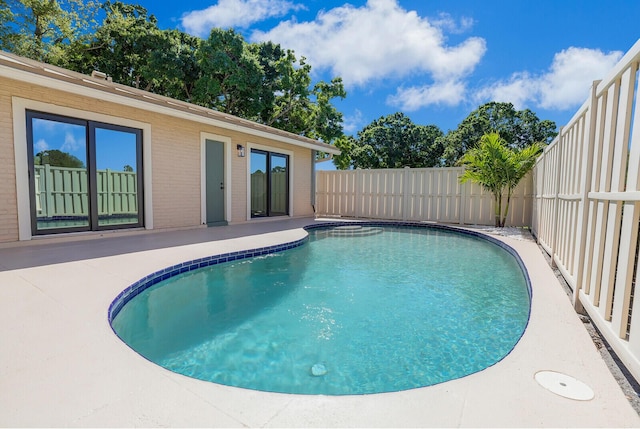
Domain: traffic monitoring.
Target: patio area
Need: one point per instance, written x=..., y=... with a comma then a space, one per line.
x=62, y=365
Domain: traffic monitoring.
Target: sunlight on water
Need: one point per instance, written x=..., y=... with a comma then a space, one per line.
x=339, y=315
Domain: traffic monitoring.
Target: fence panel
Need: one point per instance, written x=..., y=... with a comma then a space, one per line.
x=629, y=272
x=433, y=194
x=336, y=194
x=478, y=207
x=587, y=206
x=380, y=193
x=421, y=194
x=521, y=205
x=537, y=184
x=569, y=192
x=549, y=196
x=582, y=202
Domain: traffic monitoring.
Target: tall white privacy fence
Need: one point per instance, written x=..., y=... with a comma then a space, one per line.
x=587, y=206
x=420, y=194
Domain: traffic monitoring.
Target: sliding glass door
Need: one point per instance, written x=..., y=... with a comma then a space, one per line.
x=117, y=155
x=84, y=175
x=269, y=184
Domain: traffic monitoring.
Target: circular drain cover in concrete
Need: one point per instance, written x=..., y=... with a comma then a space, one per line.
x=564, y=385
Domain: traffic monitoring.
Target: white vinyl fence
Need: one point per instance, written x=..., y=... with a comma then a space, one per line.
x=582, y=202
x=587, y=206
x=420, y=194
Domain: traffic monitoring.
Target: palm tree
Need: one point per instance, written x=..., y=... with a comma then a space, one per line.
x=521, y=162
x=497, y=168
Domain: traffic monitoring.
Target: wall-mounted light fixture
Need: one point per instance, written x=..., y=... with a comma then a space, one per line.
x=240, y=150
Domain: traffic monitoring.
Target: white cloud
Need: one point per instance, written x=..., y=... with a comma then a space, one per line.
x=446, y=22
x=352, y=123
x=41, y=145
x=70, y=143
x=44, y=125
x=234, y=13
x=376, y=41
x=571, y=75
x=564, y=86
x=449, y=93
x=520, y=89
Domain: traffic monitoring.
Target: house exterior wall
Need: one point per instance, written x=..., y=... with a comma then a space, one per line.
x=8, y=205
x=174, y=160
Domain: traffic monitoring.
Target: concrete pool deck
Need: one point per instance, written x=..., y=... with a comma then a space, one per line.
x=62, y=365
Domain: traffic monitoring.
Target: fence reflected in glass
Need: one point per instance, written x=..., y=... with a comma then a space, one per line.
x=86, y=175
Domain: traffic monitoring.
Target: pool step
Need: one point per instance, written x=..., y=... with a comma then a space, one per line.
x=354, y=231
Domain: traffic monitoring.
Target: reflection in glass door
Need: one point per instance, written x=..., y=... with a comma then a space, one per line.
x=84, y=175
x=259, y=183
x=278, y=181
x=60, y=187
x=116, y=176
x=269, y=184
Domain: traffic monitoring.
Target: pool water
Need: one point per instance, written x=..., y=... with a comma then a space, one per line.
x=395, y=309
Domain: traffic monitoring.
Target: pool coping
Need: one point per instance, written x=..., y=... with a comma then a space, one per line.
x=61, y=358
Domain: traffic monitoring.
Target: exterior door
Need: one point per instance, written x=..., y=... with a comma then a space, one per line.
x=214, y=162
x=84, y=175
x=269, y=184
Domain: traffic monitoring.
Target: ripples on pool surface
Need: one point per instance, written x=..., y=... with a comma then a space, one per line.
x=339, y=315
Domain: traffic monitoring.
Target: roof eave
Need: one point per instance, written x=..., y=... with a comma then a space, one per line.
x=25, y=70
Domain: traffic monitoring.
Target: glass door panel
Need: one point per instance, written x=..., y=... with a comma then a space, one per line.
x=117, y=177
x=83, y=175
x=60, y=189
x=278, y=185
x=259, y=185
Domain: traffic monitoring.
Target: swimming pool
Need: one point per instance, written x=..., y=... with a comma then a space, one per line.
x=353, y=309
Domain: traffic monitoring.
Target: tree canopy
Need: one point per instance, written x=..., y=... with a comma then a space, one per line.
x=230, y=78
x=42, y=29
x=392, y=141
x=262, y=82
x=57, y=158
x=518, y=128
x=130, y=48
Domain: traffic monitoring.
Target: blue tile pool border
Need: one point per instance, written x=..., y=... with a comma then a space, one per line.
x=146, y=282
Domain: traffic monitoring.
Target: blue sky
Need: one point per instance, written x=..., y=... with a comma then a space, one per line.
x=434, y=60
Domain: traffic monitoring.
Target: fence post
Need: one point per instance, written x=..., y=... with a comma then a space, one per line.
x=48, y=190
x=463, y=198
x=358, y=191
x=540, y=196
x=405, y=193
x=108, y=175
x=556, y=201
